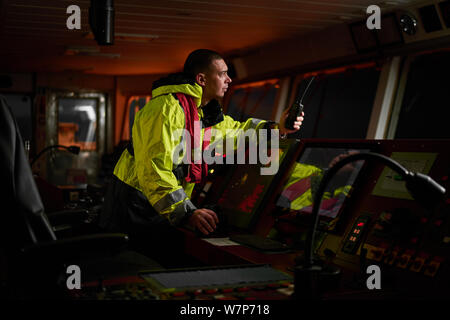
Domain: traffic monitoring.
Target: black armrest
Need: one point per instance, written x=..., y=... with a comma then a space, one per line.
x=71, y=216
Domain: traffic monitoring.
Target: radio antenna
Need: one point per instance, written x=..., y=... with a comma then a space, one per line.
x=307, y=87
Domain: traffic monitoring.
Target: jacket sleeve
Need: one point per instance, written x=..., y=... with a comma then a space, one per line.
x=233, y=127
x=231, y=132
x=155, y=139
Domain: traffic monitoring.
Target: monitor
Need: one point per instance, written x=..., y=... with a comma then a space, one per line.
x=392, y=185
x=303, y=178
x=246, y=190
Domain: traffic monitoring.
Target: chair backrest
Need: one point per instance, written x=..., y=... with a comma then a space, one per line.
x=23, y=221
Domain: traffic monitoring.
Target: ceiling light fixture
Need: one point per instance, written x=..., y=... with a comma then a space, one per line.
x=134, y=37
x=75, y=50
x=88, y=51
x=140, y=37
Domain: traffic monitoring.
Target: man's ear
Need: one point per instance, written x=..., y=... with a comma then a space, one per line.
x=200, y=78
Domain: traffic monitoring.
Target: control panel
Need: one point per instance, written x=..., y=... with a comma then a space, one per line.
x=248, y=282
x=409, y=241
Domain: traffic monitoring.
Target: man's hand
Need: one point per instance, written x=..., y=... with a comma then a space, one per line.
x=204, y=220
x=297, y=123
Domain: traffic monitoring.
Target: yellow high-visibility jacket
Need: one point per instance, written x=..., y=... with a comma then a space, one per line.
x=154, y=142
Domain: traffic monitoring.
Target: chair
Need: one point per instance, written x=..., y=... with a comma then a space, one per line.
x=33, y=261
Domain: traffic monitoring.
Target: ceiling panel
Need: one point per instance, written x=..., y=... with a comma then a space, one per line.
x=34, y=36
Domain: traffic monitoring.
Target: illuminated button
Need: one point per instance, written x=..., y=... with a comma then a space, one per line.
x=196, y=292
x=433, y=266
x=438, y=223
x=374, y=253
x=417, y=264
x=403, y=261
x=430, y=270
x=386, y=254
x=378, y=227
x=178, y=294
x=392, y=257
x=259, y=288
x=211, y=291
x=119, y=292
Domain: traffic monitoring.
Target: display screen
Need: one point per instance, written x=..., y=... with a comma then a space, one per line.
x=391, y=185
x=246, y=189
x=306, y=174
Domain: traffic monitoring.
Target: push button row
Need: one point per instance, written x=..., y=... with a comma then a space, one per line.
x=213, y=291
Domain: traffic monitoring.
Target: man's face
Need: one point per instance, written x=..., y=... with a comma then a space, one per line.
x=216, y=80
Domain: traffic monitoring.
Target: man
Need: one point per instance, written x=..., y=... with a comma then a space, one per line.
x=149, y=190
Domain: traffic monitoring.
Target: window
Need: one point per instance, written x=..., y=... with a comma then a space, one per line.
x=72, y=118
x=426, y=99
x=338, y=103
x=77, y=122
x=253, y=100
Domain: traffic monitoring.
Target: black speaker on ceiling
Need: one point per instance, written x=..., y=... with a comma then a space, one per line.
x=366, y=40
x=101, y=20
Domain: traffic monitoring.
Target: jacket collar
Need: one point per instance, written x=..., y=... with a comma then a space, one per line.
x=177, y=83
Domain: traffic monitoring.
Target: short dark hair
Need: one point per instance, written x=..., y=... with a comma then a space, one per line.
x=199, y=61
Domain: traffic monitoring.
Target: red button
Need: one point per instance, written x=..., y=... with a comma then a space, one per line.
x=438, y=222
x=178, y=294
x=197, y=292
x=210, y=291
